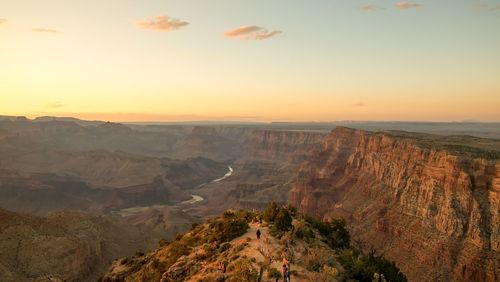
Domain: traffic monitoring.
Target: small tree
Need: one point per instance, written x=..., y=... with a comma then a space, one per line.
x=340, y=235
x=270, y=212
x=283, y=220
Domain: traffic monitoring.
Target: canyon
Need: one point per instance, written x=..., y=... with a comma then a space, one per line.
x=428, y=202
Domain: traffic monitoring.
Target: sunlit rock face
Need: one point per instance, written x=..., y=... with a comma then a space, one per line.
x=436, y=213
x=288, y=146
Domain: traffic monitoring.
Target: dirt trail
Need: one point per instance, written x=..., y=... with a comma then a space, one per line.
x=266, y=246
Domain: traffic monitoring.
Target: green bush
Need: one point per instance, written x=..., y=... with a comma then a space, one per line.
x=283, y=220
x=303, y=231
x=293, y=210
x=270, y=212
x=340, y=237
x=227, y=228
x=335, y=231
x=363, y=267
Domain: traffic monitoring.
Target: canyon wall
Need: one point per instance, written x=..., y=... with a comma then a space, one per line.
x=435, y=213
x=287, y=146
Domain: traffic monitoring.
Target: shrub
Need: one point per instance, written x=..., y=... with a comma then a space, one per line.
x=270, y=212
x=227, y=228
x=340, y=236
x=176, y=250
x=224, y=247
x=334, y=231
x=242, y=270
x=273, y=273
x=302, y=231
x=163, y=243
x=292, y=210
x=283, y=220
x=316, y=258
x=363, y=267
x=246, y=214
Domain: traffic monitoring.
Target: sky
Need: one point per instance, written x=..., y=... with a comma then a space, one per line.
x=259, y=60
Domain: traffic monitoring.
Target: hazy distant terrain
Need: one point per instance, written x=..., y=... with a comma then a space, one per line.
x=479, y=129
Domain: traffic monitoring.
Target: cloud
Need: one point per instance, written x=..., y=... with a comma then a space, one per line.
x=45, y=30
x=358, y=105
x=161, y=23
x=3, y=21
x=485, y=7
x=407, y=5
x=371, y=8
x=54, y=105
x=251, y=32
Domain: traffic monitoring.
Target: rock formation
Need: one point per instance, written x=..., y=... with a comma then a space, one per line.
x=435, y=210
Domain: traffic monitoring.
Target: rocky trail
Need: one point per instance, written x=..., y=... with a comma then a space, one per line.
x=260, y=250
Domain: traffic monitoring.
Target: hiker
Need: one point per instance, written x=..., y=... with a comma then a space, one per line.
x=258, y=233
x=289, y=272
x=284, y=272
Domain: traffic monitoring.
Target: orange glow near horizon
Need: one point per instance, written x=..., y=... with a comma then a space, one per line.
x=244, y=62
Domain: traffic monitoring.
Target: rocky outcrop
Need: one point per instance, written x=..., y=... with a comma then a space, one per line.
x=436, y=213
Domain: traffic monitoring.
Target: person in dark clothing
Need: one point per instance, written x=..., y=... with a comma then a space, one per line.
x=258, y=233
x=285, y=273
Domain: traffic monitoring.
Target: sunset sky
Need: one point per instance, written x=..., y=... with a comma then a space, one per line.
x=259, y=60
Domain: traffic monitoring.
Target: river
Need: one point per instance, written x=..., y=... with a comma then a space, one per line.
x=198, y=198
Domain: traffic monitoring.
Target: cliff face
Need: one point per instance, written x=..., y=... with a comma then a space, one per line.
x=436, y=214
x=289, y=146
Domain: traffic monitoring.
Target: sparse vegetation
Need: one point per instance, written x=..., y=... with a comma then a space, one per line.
x=363, y=267
x=316, y=258
x=335, y=231
x=227, y=228
x=242, y=270
x=321, y=248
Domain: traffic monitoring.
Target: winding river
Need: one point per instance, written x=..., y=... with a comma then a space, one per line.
x=196, y=198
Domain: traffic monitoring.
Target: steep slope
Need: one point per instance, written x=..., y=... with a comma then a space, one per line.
x=68, y=246
x=434, y=210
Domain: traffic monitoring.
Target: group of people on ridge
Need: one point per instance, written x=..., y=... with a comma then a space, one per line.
x=285, y=272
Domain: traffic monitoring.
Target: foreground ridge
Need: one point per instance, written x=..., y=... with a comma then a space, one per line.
x=257, y=246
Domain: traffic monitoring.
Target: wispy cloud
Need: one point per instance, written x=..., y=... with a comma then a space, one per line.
x=161, y=23
x=251, y=32
x=371, y=8
x=358, y=105
x=54, y=105
x=45, y=30
x=486, y=7
x=407, y=5
x=3, y=20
